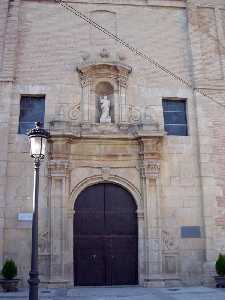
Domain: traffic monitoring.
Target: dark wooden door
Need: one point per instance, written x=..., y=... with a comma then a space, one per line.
x=105, y=237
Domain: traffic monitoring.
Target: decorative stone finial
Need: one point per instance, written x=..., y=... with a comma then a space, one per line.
x=85, y=56
x=104, y=53
x=121, y=56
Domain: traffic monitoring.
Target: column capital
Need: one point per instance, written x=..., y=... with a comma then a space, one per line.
x=59, y=168
x=151, y=168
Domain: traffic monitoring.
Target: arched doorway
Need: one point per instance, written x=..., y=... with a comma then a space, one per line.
x=105, y=237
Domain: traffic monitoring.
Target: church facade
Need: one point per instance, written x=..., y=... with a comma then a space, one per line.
x=132, y=190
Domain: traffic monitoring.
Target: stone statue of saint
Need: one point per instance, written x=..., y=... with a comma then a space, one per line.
x=105, y=107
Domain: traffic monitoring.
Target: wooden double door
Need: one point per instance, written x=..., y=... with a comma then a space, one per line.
x=105, y=237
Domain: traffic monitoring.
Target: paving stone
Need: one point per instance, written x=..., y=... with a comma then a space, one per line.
x=123, y=293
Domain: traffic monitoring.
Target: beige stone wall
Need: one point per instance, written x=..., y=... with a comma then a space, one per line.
x=206, y=30
x=42, y=46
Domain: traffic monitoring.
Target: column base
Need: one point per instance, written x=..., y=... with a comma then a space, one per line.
x=162, y=281
x=56, y=283
x=208, y=274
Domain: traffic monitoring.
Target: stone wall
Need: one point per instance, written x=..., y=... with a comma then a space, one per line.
x=41, y=46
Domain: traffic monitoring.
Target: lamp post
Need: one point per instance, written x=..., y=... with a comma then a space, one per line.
x=38, y=141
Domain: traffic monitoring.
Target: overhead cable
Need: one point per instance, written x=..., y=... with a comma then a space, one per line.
x=135, y=50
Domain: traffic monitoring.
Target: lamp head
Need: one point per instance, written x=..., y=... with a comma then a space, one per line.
x=38, y=140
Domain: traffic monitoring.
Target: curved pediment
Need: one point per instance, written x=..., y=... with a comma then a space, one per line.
x=103, y=65
x=110, y=67
x=104, y=70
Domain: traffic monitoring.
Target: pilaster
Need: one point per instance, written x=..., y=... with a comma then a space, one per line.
x=150, y=175
x=59, y=189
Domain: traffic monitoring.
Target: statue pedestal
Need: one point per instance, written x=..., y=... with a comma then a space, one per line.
x=105, y=120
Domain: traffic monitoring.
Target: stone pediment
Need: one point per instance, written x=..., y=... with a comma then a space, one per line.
x=100, y=68
x=103, y=64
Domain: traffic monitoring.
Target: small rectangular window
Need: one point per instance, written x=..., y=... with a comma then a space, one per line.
x=32, y=109
x=175, y=119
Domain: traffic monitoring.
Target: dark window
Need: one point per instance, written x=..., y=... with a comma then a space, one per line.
x=175, y=120
x=32, y=109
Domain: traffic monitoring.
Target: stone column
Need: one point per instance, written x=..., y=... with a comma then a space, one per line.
x=141, y=247
x=59, y=190
x=85, y=101
x=150, y=171
x=123, y=74
x=123, y=100
x=69, y=249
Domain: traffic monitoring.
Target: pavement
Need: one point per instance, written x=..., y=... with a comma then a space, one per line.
x=122, y=293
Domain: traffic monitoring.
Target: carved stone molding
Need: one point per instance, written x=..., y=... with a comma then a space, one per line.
x=43, y=244
x=150, y=146
x=70, y=213
x=151, y=168
x=140, y=214
x=114, y=179
x=74, y=112
x=85, y=80
x=169, y=241
x=106, y=172
x=91, y=71
x=59, y=168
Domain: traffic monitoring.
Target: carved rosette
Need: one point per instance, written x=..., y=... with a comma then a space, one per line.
x=74, y=112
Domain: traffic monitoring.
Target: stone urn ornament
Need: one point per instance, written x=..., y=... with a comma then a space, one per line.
x=9, y=271
x=220, y=270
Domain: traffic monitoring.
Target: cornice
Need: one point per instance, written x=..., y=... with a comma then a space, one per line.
x=157, y=3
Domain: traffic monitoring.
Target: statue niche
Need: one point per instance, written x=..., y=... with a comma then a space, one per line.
x=104, y=92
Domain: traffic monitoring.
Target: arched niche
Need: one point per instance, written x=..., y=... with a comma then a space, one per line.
x=97, y=79
x=104, y=89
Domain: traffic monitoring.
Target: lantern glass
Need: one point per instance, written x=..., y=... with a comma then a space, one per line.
x=38, y=146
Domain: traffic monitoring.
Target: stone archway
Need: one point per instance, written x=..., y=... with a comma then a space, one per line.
x=146, y=196
x=105, y=236
x=131, y=189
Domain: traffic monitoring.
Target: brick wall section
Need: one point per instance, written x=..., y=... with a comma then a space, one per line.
x=10, y=42
x=5, y=96
x=210, y=120
x=3, y=19
x=43, y=38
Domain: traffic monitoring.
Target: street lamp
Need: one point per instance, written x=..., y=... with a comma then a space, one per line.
x=38, y=140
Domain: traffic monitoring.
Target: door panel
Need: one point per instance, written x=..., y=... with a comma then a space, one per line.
x=90, y=261
x=105, y=237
